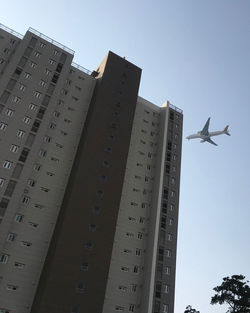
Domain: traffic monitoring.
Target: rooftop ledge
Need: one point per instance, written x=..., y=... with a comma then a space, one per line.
x=56, y=43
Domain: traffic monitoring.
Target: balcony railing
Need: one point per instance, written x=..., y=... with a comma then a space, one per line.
x=175, y=108
x=11, y=31
x=56, y=43
x=81, y=68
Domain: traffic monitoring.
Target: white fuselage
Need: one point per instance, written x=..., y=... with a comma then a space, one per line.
x=211, y=134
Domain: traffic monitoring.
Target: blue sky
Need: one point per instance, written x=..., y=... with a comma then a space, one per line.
x=196, y=54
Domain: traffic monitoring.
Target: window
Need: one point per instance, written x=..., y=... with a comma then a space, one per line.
x=54, y=159
x=89, y=245
x=52, y=126
x=17, y=72
x=26, y=119
x=170, y=221
x=165, y=288
x=50, y=174
x=37, y=94
x=24, y=155
x=18, y=218
x=131, y=218
x=41, y=112
x=158, y=290
x=165, y=308
x=31, y=182
x=119, y=308
x=42, y=44
x=170, y=237
x=44, y=189
x=2, y=180
x=3, y=126
x=100, y=193
x=9, y=112
x=55, y=52
x=63, y=133
x=1, y=61
x=18, y=265
x=10, y=188
x=37, y=167
x=16, y=99
x=6, y=51
x=123, y=288
x=32, y=107
x=47, y=72
x=64, y=91
x=51, y=61
x=125, y=269
x=20, y=133
x=138, y=252
x=17, y=170
x=3, y=205
x=172, y=194
x=26, y=243
x=96, y=209
x=25, y=200
x=26, y=75
x=12, y=287
x=7, y=164
x=42, y=153
x=4, y=259
x=35, y=126
x=43, y=83
x=47, y=139
x=5, y=96
x=140, y=235
x=106, y=163
x=34, y=225
x=168, y=253
x=84, y=266
x=11, y=237
x=37, y=54
x=80, y=288
x=92, y=227
x=131, y=308
x=32, y=64
x=75, y=309
x=21, y=87
x=166, y=270
x=142, y=220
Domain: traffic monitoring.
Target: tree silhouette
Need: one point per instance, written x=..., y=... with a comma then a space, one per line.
x=190, y=310
x=235, y=292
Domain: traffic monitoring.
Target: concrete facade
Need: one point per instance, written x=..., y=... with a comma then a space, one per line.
x=89, y=184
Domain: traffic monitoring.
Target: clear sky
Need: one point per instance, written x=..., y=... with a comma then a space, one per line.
x=195, y=53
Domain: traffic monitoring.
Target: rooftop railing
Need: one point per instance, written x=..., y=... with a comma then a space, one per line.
x=11, y=31
x=56, y=43
x=81, y=68
x=175, y=108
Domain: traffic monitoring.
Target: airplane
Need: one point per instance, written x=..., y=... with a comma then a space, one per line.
x=205, y=135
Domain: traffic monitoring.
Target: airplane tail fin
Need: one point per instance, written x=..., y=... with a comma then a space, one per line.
x=225, y=130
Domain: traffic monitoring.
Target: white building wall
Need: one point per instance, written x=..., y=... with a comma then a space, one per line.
x=126, y=275
x=22, y=258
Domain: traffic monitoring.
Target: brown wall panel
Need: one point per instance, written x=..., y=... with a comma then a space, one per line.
x=117, y=85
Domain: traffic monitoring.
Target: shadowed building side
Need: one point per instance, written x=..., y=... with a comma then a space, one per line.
x=76, y=268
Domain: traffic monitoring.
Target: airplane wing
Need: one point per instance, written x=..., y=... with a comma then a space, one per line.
x=205, y=128
x=210, y=141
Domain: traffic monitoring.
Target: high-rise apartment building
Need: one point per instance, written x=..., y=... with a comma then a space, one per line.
x=89, y=184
